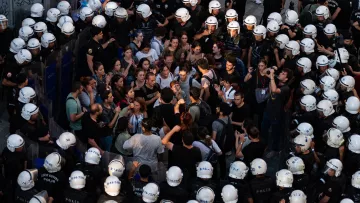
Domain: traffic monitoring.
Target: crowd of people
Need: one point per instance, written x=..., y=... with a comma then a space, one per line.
x=214, y=96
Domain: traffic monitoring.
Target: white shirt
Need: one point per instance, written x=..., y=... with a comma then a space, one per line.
x=156, y=46
x=152, y=53
x=164, y=82
x=205, y=150
x=229, y=94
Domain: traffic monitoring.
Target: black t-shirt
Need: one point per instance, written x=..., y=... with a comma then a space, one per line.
x=240, y=114
x=96, y=50
x=276, y=102
x=189, y=28
x=331, y=189
x=342, y=20
x=175, y=194
x=166, y=8
x=22, y=196
x=120, y=32
x=148, y=94
x=252, y=151
x=234, y=77
x=13, y=163
x=187, y=165
x=355, y=17
x=6, y=36
x=91, y=129
x=308, y=160
x=53, y=183
x=35, y=131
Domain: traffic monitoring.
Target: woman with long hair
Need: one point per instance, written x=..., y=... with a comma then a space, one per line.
x=118, y=88
x=195, y=53
x=136, y=113
x=137, y=42
x=87, y=96
x=144, y=64
x=140, y=79
x=122, y=135
x=129, y=62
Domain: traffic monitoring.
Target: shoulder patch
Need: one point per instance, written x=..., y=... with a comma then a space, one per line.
x=89, y=51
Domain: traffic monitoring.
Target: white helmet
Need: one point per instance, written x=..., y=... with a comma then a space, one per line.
x=64, y=7
x=231, y=13
x=354, y=143
x=294, y=46
x=334, y=164
x=276, y=17
x=282, y=40
x=95, y=5
x=41, y=197
x=346, y=200
x=333, y=73
x=3, y=21
x=77, y=180
x=192, y=201
x=334, y=138
x=234, y=25
x=52, y=15
x=204, y=170
x=305, y=63
x=14, y=141
x=330, y=29
x=303, y=141
x=110, y=8
x=144, y=10
x=26, y=179
x=40, y=27
x=66, y=140
x=305, y=129
x=28, y=110
x=112, y=186
x=99, y=21
x=260, y=30
x=121, y=13
x=342, y=123
x=328, y=82
x=214, y=4
x=68, y=28
x=116, y=167
x=28, y=22
x=332, y=96
x=296, y=165
x=344, y=55
x=322, y=60
x=284, y=178
x=322, y=11
x=352, y=105
x=22, y=56
x=211, y=20
x=53, y=162
x=310, y=30
x=355, y=180
x=229, y=194
x=151, y=192
x=308, y=44
x=183, y=14
x=16, y=45
x=308, y=85
x=273, y=26
x=174, y=176
x=26, y=33
x=46, y=39
x=86, y=12
x=258, y=166
x=238, y=170
x=205, y=194
x=37, y=10
x=297, y=196
x=64, y=19
x=326, y=107
x=291, y=17
x=348, y=82
x=92, y=156
x=309, y=102
x=250, y=20
x=26, y=94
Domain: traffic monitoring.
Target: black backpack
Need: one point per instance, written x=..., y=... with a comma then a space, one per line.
x=308, y=15
x=213, y=99
x=226, y=141
x=212, y=156
x=206, y=117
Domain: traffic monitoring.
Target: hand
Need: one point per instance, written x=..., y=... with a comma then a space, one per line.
x=111, y=40
x=350, y=68
x=217, y=87
x=206, y=32
x=344, y=72
x=321, y=48
x=84, y=109
x=132, y=84
x=161, y=25
x=177, y=128
x=117, y=109
x=166, y=43
x=157, y=96
x=284, y=27
x=250, y=69
x=130, y=126
x=131, y=105
x=181, y=101
x=136, y=164
x=187, y=47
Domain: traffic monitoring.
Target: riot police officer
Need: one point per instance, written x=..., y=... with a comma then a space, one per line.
x=76, y=192
x=171, y=189
x=284, y=181
x=204, y=173
x=352, y=156
x=64, y=146
x=297, y=167
x=261, y=186
x=26, y=190
x=353, y=191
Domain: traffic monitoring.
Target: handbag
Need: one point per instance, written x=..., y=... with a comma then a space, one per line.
x=261, y=94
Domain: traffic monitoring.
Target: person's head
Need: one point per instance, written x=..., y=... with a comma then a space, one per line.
x=247, y=124
x=230, y=63
x=262, y=65
x=175, y=86
x=88, y=83
x=204, y=134
x=96, y=33
x=253, y=132
x=150, y=79
x=187, y=138
x=196, y=47
x=99, y=69
x=168, y=59
x=174, y=42
x=202, y=64
x=96, y=109
x=224, y=109
x=122, y=124
x=238, y=98
x=144, y=171
x=186, y=120
x=184, y=38
x=76, y=87
x=117, y=81
x=145, y=47
x=140, y=75
x=184, y=68
x=164, y=71
x=128, y=52
x=144, y=64
x=160, y=32
x=21, y=80
x=130, y=93
x=138, y=36
x=218, y=48
x=146, y=125
x=116, y=64
x=226, y=81
x=107, y=97
x=195, y=93
x=166, y=95
x=139, y=105
x=285, y=75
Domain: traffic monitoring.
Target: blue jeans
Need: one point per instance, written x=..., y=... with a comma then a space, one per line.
x=277, y=132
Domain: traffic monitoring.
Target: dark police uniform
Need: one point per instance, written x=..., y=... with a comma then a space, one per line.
x=353, y=193
x=53, y=183
x=188, y=27
x=6, y=37
x=301, y=181
x=147, y=27
x=281, y=194
x=94, y=175
x=24, y=196
x=72, y=195
x=242, y=187
x=175, y=194
x=235, y=44
x=199, y=183
x=120, y=32
x=96, y=50
x=262, y=189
